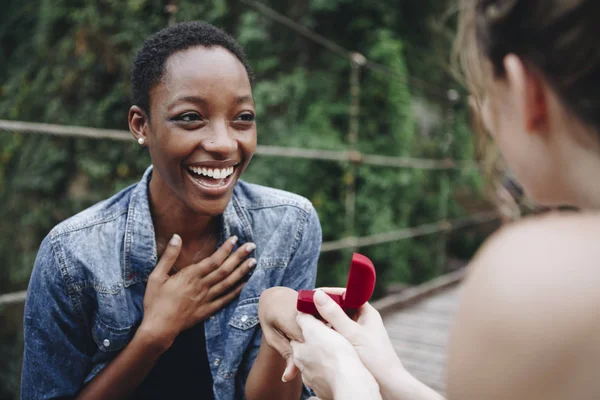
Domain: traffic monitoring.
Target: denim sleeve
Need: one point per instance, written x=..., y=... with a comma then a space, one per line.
x=301, y=273
x=55, y=362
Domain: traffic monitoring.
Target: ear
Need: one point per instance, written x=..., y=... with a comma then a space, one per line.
x=529, y=93
x=138, y=123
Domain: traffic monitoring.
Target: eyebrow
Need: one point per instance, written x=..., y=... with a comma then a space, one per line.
x=244, y=99
x=202, y=101
x=188, y=99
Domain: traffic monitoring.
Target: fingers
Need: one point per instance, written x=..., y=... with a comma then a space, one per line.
x=226, y=267
x=291, y=371
x=308, y=324
x=282, y=346
x=368, y=314
x=333, y=290
x=220, y=302
x=296, y=349
x=288, y=327
x=333, y=313
x=221, y=287
x=167, y=260
x=213, y=262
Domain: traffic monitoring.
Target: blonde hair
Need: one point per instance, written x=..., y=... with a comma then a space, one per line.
x=470, y=69
x=555, y=38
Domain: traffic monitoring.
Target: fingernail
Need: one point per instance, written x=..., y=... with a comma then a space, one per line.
x=321, y=298
x=250, y=247
x=175, y=240
x=234, y=240
x=252, y=263
x=283, y=378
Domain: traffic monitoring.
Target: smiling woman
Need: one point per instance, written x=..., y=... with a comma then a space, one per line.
x=199, y=126
x=154, y=292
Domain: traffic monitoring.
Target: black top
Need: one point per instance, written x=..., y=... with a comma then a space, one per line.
x=182, y=372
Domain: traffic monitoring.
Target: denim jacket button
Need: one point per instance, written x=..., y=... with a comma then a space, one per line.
x=217, y=361
x=106, y=342
x=244, y=318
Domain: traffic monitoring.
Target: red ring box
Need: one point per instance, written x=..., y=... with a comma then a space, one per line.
x=359, y=289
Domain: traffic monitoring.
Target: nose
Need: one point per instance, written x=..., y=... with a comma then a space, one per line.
x=220, y=140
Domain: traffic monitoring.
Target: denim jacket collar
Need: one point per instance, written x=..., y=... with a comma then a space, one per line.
x=140, y=253
x=140, y=244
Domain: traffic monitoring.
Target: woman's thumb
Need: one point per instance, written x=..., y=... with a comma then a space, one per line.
x=290, y=370
x=167, y=260
x=333, y=313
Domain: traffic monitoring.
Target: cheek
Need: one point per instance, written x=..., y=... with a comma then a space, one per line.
x=247, y=143
x=172, y=146
x=168, y=152
x=502, y=125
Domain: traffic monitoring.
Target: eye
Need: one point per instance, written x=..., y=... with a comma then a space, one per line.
x=245, y=117
x=189, y=117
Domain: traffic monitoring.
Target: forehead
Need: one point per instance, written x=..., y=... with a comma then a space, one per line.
x=203, y=70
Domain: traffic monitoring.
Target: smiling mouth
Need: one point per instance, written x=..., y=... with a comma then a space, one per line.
x=212, y=178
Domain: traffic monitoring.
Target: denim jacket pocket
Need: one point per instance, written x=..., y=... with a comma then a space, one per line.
x=109, y=342
x=245, y=315
x=243, y=322
x=109, y=339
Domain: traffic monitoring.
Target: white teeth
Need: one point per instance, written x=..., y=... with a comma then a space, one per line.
x=213, y=173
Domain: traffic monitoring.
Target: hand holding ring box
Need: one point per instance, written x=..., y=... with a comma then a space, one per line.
x=359, y=289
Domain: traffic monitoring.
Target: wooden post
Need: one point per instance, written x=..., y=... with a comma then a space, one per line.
x=357, y=61
x=445, y=184
x=171, y=10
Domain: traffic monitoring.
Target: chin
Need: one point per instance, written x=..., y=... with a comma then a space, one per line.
x=208, y=200
x=210, y=207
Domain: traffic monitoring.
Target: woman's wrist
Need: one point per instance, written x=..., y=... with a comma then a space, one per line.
x=398, y=384
x=391, y=377
x=154, y=340
x=352, y=380
x=395, y=382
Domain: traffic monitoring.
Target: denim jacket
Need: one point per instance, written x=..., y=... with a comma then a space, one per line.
x=85, y=296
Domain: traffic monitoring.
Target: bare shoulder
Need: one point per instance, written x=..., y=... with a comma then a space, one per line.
x=541, y=256
x=530, y=312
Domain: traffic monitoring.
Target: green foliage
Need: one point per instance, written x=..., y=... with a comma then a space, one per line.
x=67, y=62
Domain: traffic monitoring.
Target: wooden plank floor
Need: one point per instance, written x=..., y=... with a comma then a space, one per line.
x=419, y=333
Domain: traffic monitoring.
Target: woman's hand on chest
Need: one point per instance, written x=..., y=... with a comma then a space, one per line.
x=175, y=302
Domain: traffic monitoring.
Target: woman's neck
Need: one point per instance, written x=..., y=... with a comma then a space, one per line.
x=170, y=215
x=585, y=186
x=579, y=177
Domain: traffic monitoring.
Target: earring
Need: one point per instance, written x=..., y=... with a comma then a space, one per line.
x=141, y=141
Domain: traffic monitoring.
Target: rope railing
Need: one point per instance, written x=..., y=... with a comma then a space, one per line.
x=356, y=242
x=12, y=298
x=408, y=233
x=272, y=151
x=298, y=28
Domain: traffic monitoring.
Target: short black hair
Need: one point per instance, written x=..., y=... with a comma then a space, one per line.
x=149, y=64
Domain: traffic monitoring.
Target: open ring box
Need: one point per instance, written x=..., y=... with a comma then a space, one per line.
x=359, y=289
